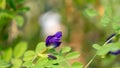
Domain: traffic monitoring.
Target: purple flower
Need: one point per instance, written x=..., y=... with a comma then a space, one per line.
x=54, y=40
x=110, y=41
x=114, y=53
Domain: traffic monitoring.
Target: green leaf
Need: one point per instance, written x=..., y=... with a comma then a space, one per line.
x=16, y=63
x=65, y=49
x=28, y=64
x=50, y=64
x=102, y=53
x=115, y=46
x=116, y=26
x=23, y=9
x=91, y=12
x=19, y=20
x=2, y=4
x=96, y=46
x=41, y=48
x=109, y=47
x=103, y=50
x=40, y=64
x=64, y=64
x=105, y=20
x=5, y=13
x=72, y=55
x=28, y=55
x=58, y=60
x=51, y=50
x=7, y=54
x=77, y=65
x=12, y=4
x=19, y=49
x=44, y=61
x=4, y=64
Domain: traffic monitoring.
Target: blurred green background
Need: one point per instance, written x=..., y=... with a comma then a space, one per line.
x=79, y=20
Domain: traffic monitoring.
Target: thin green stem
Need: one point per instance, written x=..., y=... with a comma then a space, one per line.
x=86, y=66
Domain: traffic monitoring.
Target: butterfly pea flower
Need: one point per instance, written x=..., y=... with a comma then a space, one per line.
x=110, y=41
x=54, y=40
x=115, y=53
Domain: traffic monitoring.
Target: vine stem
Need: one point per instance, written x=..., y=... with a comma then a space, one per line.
x=86, y=66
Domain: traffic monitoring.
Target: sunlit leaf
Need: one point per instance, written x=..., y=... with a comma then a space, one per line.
x=5, y=13
x=4, y=64
x=19, y=49
x=29, y=55
x=65, y=49
x=19, y=20
x=77, y=65
x=116, y=26
x=7, y=54
x=41, y=48
x=103, y=50
x=16, y=63
x=28, y=64
x=41, y=64
x=96, y=46
x=72, y=55
x=59, y=59
x=2, y=4
x=105, y=20
x=44, y=61
x=91, y=12
x=107, y=48
x=53, y=63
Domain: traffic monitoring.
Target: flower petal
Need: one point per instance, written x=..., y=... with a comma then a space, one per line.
x=47, y=40
x=115, y=53
x=58, y=34
x=57, y=44
x=54, y=40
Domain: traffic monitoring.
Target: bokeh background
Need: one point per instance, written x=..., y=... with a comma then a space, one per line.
x=79, y=21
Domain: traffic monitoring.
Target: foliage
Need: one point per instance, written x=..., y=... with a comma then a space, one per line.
x=47, y=57
x=112, y=44
x=12, y=57
x=38, y=58
x=11, y=10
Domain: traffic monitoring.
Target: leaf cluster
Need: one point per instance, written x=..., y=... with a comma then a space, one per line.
x=19, y=56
